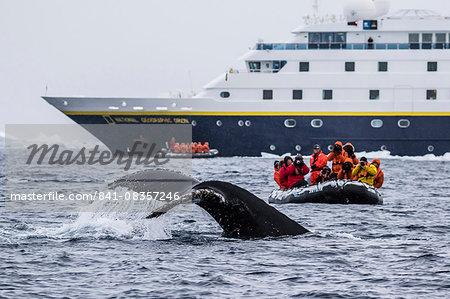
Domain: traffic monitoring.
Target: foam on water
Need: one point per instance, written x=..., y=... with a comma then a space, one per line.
x=116, y=220
x=387, y=155
x=114, y=226
x=377, y=155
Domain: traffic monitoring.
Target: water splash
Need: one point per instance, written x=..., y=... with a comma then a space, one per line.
x=117, y=220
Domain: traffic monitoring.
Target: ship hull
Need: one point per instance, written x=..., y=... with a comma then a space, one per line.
x=242, y=135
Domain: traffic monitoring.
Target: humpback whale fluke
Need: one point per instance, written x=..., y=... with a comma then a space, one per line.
x=240, y=213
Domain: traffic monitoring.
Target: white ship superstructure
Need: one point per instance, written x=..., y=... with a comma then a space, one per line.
x=382, y=83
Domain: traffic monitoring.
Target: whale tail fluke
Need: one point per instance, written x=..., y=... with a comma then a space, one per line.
x=240, y=213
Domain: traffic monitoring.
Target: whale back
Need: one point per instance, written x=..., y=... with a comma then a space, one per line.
x=242, y=214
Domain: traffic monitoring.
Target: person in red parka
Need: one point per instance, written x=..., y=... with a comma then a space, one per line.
x=317, y=162
x=283, y=175
x=296, y=173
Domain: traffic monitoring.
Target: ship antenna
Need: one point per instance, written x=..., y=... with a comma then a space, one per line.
x=316, y=8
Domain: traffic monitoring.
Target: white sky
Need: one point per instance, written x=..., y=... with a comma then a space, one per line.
x=134, y=48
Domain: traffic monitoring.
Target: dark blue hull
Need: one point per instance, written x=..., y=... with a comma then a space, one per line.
x=251, y=135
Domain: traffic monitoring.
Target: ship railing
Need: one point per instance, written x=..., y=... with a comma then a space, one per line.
x=352, y=46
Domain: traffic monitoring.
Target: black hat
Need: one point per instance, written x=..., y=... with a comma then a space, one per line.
x=363, y=159
x=287, y=158
x=316, y=146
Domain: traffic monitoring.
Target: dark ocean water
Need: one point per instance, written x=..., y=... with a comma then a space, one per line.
x=400, y=249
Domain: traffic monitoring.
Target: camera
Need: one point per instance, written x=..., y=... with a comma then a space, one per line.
x=347, y=166
x=337, y=149
x=299, y=162
x=325, y=171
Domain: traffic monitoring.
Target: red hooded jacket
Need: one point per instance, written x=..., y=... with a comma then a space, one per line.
x=318, y=161
x=295, y=174
x=283, y=176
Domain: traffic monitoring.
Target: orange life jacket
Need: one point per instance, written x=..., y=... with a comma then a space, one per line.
x=206, y=147
x=199, y=148
x=379, y=177
x=184, y=148
x=276, y=177
x=355, y=160
x=346, y=175
x=176, y=148
x=338, y=159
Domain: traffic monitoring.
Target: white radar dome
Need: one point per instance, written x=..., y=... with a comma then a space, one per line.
x=382, y=7
x=356, y=10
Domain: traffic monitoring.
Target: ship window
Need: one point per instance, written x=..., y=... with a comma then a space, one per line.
x=382, y=66
x=241, y=123
x=290, y=46
x=376, y=123
x=225, y=94
x=255, y=66
x=349, y=66
x=314, y=40
x=432, y=66
x=414, y=41
x=325, y=40
x=278, y=47
x=316, y=123
x=194, y=123
x=431, y=94
x=404, y=123
x=327, y=94
x=278, y=65
x=441, y=39
x=374, y=95
x=297, y=94
x=304, y=67
x=219, y=123
x=427, y=39
x=267, y=94
x=290, y=123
